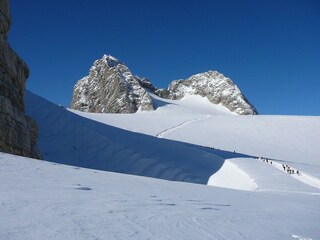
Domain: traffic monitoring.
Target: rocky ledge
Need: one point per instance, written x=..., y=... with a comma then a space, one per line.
x=19, y=133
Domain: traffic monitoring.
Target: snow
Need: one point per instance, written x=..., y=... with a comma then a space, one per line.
x=292, y=140
x=230, y=176
x=45, y=200
x=168, y=113
x=70, y=139
x=288, y=139
x=256, y=175
x=302, y=176
x=186, y=141
x=216, y=87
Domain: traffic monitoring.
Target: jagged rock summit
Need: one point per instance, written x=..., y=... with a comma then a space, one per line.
x=216, y=87
x=18, y=132
x=110, y=87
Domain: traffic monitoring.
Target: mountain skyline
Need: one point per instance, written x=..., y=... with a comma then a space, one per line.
x=269, y=49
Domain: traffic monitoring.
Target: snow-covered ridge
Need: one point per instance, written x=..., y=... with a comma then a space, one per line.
x=70, y=139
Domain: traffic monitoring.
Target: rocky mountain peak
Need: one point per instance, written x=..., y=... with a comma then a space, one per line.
x=110, y=87
x=216, y=87
x=110, y=61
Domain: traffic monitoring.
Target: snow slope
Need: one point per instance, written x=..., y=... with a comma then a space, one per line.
x=70, y=139
x=291, y=140
x=45, y=200
x=186, y=140
x=168, y=113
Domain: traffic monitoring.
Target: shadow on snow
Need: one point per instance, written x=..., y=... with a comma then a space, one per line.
x=73, y=140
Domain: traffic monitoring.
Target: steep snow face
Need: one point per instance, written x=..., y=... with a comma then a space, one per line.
x=216, y=87
x=110, y=87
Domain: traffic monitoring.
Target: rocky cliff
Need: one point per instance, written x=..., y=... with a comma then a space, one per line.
x=216, y=87
x=110, y=87
x=18, y=133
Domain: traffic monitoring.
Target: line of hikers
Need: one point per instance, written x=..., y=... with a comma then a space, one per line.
x=289, y=170
x=265, y=160
x=286, y=167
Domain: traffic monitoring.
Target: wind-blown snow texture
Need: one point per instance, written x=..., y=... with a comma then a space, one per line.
x=43, y=200
x=110, y=87
x=79, y=203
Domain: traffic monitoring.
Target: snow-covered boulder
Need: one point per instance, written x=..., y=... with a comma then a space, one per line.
x=216, y=87
x=110, y=87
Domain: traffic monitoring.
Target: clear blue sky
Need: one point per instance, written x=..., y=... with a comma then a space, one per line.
x=270, y=49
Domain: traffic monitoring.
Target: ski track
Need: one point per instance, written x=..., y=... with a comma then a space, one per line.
x=303, y=177
x=171, y=129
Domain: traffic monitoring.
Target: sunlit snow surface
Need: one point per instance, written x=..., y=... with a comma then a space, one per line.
x=189, y=140
x=43, y=200
x=292, y=140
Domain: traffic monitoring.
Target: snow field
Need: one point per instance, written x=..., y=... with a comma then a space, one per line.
x=231, y=176
x=70, y=139
x=287, y=139
x=45, y=200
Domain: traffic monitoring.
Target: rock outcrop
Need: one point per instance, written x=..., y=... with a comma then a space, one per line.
x=213, y=85
x=110, y=87
x=18, y=132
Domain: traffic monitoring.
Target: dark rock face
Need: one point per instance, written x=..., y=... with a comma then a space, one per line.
x=164, y=93
x=146, y=84
x=19, y=133
x=110, y=87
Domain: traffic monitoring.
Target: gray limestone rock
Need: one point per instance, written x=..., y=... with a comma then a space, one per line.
x=164, y=93
x=146, y=84
x=19, y=133
x=216, y=87
x=110, y=87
